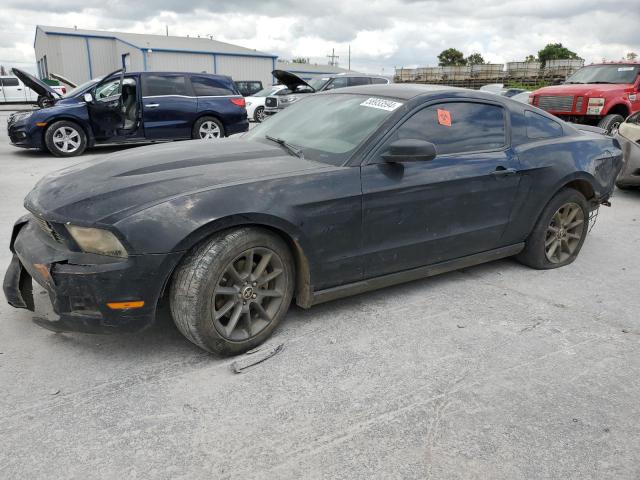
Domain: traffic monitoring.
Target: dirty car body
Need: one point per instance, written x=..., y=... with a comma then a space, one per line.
x=629, y=137
x=353, y=220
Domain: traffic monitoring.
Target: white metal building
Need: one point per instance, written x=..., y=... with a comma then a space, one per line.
x=310, y=70
x=81, y=55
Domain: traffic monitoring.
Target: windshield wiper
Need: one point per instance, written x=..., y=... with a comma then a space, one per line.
x=290, y=148
x=603, y=82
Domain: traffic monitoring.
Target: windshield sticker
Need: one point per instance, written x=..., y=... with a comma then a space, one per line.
x=444, y=117
x=381, y=103
x=625, y=69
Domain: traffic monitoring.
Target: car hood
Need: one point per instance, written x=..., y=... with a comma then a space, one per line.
x=106, y=190
x=291, y=81
x=586, y=89
x=36, y=85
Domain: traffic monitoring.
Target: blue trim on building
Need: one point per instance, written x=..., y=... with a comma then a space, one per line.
x=215, y=63
x=113, y=37
x=86, y=41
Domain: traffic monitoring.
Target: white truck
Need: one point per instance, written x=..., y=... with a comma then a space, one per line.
x=12, y=90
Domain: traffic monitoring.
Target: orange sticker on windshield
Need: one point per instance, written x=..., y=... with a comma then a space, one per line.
x=444, y=117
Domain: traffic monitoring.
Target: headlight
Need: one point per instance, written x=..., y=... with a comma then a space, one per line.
x=96, y=240
x=21, y=116
x=595, y=106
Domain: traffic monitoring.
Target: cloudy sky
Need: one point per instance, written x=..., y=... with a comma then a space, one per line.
x=382, y=34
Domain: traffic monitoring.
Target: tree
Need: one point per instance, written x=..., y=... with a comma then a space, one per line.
x=475, y=59
x=300, y=60
x=632, y=56
x=556, y=51
x=451, y=57
x=531, y=58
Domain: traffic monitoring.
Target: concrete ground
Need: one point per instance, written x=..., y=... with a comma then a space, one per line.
x=494, y=372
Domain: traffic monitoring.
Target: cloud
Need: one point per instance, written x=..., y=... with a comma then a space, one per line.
x=382, y=33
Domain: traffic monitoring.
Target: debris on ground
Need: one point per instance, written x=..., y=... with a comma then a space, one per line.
x=254, y=357
x=54, y=391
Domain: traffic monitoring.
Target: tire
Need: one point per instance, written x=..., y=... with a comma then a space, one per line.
x=611, y=122
x=216, y=309
x=207, y=128
x=44, y=102
x=551, y=229
x=65, y=139
x=258, y=114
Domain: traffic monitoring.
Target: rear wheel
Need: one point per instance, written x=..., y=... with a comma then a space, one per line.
x=559, y=233
x=207, y=128
x=259, y=114
x=65, y=139
x=611, y=122
x=232, y=291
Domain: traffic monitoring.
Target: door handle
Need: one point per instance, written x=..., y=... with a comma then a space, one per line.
x=503, y=172
x=152, y=105
x=19, y=89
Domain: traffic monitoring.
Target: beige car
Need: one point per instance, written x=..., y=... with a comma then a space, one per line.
x=629, y=137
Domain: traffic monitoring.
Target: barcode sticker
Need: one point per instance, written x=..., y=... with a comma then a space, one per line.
x=381, y=103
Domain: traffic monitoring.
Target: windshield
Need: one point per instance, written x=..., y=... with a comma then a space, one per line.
x=327, y=128
x=265, y=92
x=605, y=74
x=318, y=83
x=80, y=88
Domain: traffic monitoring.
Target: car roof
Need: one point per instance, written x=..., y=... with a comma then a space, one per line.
x=407, y=91
x=337, y=75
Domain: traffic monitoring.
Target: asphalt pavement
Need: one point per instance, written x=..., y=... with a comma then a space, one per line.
x=492, y=372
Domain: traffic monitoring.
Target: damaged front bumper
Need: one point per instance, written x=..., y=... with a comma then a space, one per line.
x=81, y=286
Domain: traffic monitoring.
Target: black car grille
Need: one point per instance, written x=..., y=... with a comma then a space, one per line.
x=271, y=102
x=47, y=228
x=556, y=103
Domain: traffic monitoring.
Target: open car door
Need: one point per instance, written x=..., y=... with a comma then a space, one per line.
x=104, y=103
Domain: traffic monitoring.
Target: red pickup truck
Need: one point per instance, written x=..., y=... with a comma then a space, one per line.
x=602, y=95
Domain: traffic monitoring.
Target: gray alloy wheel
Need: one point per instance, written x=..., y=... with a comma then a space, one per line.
x=259, y=115
x=248, y=294
x=559, y=232
x=209, y=130
x=67, y=139
x=564, y=233
x=230, y=292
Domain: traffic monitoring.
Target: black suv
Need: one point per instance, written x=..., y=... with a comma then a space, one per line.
x=299, y=87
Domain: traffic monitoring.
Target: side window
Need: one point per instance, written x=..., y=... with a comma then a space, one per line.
x=539, y=126
x=108, y=89
x=153, y=85
x=379, y=81
x=9, y=82
x=210, y=87
x=338, y=82
x=284, y=91
x=355, y=81
x=457, y=127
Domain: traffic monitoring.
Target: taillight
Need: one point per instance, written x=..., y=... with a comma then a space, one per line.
x=239, y=102
x=64, y=90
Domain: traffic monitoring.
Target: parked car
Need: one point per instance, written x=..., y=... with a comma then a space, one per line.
x=255, y=103
x=522, y=97
x=629, y=136
x=248, y=87
x=299, y=88
x=344, y=192
x=602, y=95
x=126, y=108
x=12, y=90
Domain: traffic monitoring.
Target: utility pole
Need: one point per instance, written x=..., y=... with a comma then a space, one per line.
x=167, y=29
x=333, y=58
x=349, y=57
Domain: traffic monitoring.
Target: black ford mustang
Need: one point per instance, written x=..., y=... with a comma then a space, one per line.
x=343, y=192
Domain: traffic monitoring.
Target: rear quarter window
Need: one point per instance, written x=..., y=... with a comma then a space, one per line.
x=155, y=85
x=540, y=127
x=379, y=81
x=210, y=87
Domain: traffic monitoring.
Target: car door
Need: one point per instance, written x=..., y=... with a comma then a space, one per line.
x=168, y=106
x=13, y=90
x=425, y=212
x=105, y=107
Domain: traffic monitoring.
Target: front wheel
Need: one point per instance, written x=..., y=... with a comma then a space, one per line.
x=207, y=128
x=559, y=233
x=65, y=139
x=611, y=122
x=229, y=294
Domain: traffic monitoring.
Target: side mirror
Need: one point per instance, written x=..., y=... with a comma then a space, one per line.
x=88, y=98
x=410, y=150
